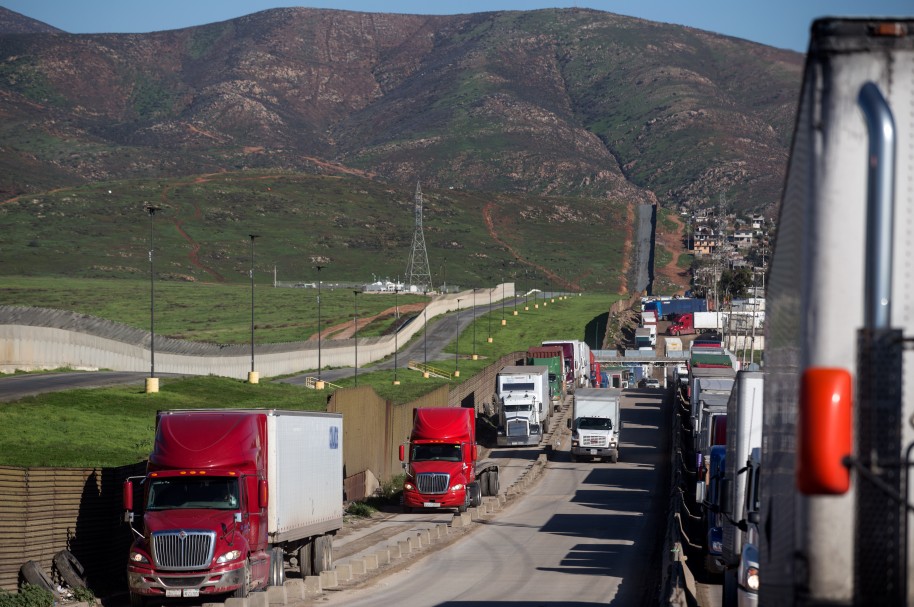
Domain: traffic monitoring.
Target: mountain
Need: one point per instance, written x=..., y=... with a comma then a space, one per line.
x=558, y=102
x=12, y=22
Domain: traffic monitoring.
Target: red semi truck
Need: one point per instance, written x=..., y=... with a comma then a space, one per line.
x=441, y=461
x=228, y=496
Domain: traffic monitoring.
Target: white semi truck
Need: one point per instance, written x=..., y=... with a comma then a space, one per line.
x=835, y=523
x=524, y=405
x=596, y=424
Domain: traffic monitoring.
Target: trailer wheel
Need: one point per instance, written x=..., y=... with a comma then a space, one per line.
x=241, y=592
x=305, y=562
x=70, y=569
x=137, y=600
x=277, y=567
x=493, y=483
x=32, y=573
x=323, y=554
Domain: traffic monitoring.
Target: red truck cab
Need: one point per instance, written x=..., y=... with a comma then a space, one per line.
x=441, y=461
x=204, y=502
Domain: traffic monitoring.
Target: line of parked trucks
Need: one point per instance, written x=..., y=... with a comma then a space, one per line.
x=805, y=487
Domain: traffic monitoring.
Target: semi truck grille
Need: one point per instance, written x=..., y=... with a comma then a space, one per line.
x=433, y=482
x=517, y=428
x=593, y=440
x=183, y=550
x=183, y=582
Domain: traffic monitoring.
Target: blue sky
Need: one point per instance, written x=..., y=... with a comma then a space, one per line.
x=779, y=23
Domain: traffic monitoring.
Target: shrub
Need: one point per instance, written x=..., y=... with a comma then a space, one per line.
x=28, y=596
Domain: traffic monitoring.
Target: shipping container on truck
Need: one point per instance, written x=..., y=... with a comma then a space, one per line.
x=744, y=433
x=523, y=405
x=838, y=394
x=442, y=463
x=578, y=374
x=552, y=357
x=596, y=424
x=690, y=323
x=229, y=496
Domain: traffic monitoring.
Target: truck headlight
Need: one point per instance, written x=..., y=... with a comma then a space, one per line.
x=408, y=486
x=457, y=487
x=228, y=557
x=752, y=581
x=138, y=557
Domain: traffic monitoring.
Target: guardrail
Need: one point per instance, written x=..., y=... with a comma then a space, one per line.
x=425, y=368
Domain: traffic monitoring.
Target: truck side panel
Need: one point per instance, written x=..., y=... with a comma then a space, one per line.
x=807, y=554
x=305, y=475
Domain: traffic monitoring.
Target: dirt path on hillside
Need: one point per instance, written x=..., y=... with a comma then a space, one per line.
x=488, y=217
x=672, y=242
x=345, y=330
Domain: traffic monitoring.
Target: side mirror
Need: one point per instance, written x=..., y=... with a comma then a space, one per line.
x=263, y=494
x=402, y=453
x=699, y=492
x=128, y=496
x=724, y=495
x=824, y=431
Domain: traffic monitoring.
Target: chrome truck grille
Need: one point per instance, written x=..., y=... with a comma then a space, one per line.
x=432, y=482
x=183, y=550
x=593, y=440
x=518, y=428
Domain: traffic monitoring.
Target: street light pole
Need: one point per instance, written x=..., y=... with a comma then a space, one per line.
x=489, y=315
x=152, y=383
x=425, y=334
x=356, y=299
x=457, y=347
x=320, y=383
x=474, y=323
x=503, y=321
x=253, y=376
x=396, y=332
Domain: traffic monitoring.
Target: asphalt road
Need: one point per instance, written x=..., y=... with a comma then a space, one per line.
x=17, y=387
x=586, y=534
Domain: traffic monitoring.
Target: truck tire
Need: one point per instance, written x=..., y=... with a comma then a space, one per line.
x=574, y=458
x=32, y=573
x=305, y=560
x=466, y=500
x=493, y=483
x=475, y=495
x=614, y=458
x=70, y=569
x=137, y=600
x=323, y=554
x=240, y=592
x=277, y=567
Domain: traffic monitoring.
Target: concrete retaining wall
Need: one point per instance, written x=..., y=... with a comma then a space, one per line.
x=35, y=338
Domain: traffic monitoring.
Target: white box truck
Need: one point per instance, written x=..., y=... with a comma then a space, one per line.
x=835, y=520
x=524, y=405
x=596, y=424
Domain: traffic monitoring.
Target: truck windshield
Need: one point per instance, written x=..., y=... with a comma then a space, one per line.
x=595, y=423
x=518, y=408
x=437, y=452
x=171, y=493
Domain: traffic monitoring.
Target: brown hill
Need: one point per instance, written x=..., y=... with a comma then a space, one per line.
x=566, y=102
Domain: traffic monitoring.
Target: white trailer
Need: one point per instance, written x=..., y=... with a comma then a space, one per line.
x=596, y=424
x=744, y=433
x=524, y=405
x=709, y=321
x=834, y=520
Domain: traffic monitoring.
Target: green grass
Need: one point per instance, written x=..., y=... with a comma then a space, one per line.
x=114, y=426
x=217, y=313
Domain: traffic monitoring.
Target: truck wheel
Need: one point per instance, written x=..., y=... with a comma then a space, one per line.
x=137, y=600
x=277, y=567
x=240, y=593
x=323, y=554
x=476, y=495
x=305, y=562
x=613, y=458
x=493, y=483
x=32, y=573
x=466, y=500
x=574, y=458
x=70, y=570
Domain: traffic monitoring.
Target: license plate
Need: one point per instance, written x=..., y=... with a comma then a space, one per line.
x=194, y=592
x=593, y=451
x=432, y=505
x=173, y=592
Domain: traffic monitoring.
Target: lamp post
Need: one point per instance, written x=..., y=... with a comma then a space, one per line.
x=356, y=300
x=425, y=372
x=253, y=376
x=503, y=320
x=396, y=331
x=152, y=382
x=457, y=347
x=514, y=277
x=490, y=316
x=526, y=292
x=319, y=385
x=474, y=323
